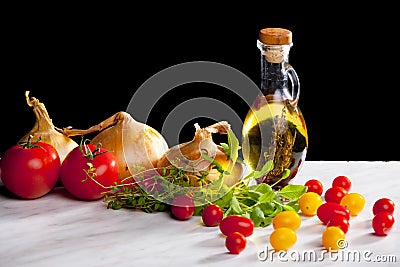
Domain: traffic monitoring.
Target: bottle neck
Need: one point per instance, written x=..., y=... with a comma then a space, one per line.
x=274, y=77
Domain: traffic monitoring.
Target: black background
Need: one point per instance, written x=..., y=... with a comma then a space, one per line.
x=85, y=63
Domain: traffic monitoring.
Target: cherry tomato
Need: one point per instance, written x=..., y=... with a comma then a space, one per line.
x=354, y=202
x=335, y=194
x=383, y=204
x=237, y=223
x=314, y=185
x=309, y=203
x=340, y=221
x=182, y=207
x=382, y=223
x=212, y=215
x=30, y=170
x=327, y=210
x=287, y=218
x=282, y=238
x=79, y=167
x=333, y=238
x=235, y=242
x=342, y=181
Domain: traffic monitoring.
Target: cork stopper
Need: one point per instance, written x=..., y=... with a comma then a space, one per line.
x=275, y=36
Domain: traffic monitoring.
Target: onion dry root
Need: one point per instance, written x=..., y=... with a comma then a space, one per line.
x=46, y=131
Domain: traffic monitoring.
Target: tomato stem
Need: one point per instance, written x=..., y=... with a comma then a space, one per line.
x=87, y=153
x=29, y=144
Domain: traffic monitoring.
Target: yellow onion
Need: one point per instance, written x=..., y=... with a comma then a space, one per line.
x=136, y=145
x=188, y=156
x=46, y=131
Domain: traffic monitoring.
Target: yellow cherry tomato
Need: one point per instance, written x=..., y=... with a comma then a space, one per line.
x=282, y=238
x=354, y=202
x=333, y=238
x=287, y=218
x=309, y=203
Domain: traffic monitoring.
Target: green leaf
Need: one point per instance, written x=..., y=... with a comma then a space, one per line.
x=288, y=207
x=292, y=191
x=226, y=149
x=225, y=200
x=233, y=145
x=285, y=174
x=246, y=214
x=254, y=195
x=248, y=202
x=228, y=212
x=213, y=161
x=198, y=210
x=267, y=197
x=267, y=221
x=142, y=201
x=267, y=208
x=257, y=216
x=294, y=204
x=236, y=206
x=268, y=166
x=276, y=211
x=263, y=188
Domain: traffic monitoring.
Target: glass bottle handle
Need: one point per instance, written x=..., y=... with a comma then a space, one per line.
x=294, y=84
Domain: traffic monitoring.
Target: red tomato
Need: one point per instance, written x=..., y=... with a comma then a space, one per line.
x=237, y=223
x=326, y=211
x=75, y=165
x=340, y=221
x=235, y=242
x=383, y=204
x=335, y=194
x=182, y=207
x=382, y=223
x=212, y=215
x=315, y=186
x=30, y=170
x=342, y=181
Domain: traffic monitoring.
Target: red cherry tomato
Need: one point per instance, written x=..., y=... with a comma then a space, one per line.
x=212, y=215
x=78, y=166
x=235, y=242
x=30, y=170
x=383, y=204
x=342, y=181
x=237, y=223
x=382, y=223
x=340, y=221
x=182, y=207
x=326, y=211
x=335, y=194
x=314, y=185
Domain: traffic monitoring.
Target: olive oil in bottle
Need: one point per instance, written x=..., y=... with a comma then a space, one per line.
x=274, y=128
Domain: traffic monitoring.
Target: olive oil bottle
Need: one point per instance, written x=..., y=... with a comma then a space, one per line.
x=274, y=128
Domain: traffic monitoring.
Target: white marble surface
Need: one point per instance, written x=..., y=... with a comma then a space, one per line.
x=57, y=230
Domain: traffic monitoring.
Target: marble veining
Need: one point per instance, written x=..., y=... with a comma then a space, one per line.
x=58, y=230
